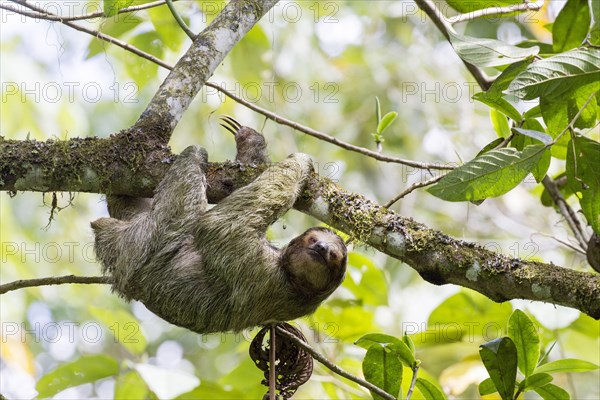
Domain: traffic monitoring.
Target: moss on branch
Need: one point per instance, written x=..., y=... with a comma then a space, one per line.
x=122, y=165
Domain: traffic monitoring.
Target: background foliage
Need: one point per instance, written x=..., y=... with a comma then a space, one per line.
x=320, y=64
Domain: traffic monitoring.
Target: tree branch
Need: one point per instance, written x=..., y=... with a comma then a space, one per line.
x=445, y=27
x=328, y=138
x=525, y=6
x=53, y=280
x=333, y=367
x=99, y=14
x=180, y=20
x=198, y=64
x=92, y=165
x=565, y=210
x=270, y=115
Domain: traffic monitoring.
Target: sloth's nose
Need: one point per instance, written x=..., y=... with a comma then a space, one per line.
x=321, y=247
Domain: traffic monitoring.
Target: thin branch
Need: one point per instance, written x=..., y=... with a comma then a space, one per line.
x=565, y=210
x=180, y=20
x=526, y=6
x=413, y=187
x=272, y=358
x=47, y=16
x=270, y=115
x=571, y=125
x=413, y=382
x=563, y=242
x=53, y=280
x=445, y=27
x=95, y=33
x=333, y=367
x=327, y=138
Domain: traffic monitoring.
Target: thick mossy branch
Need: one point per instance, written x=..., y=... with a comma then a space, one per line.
x=121, y=165
x=125, y=164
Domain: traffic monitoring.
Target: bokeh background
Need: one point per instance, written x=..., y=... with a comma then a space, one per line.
x=320, y=64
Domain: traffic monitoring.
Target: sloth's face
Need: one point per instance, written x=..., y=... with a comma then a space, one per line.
x=315, y=261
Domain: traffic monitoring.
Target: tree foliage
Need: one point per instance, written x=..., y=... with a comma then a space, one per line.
x=529, y=156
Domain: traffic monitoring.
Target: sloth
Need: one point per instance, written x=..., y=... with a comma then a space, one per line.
x=213, y=270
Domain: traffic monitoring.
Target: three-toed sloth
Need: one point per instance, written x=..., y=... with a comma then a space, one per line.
x=213, y=270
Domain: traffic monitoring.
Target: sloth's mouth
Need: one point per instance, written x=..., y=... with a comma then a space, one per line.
x=321, y=256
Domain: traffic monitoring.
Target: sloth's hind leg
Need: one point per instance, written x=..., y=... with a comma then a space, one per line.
x=180, y=198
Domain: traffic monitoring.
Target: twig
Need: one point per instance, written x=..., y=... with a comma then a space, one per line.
x=100, y=14
x=412, y=187
x=97, y=34
x=180, y=20
x=272, y=370
x=320, y=358
x=565, y=210
x=564, y=243
x=53, y=280
x=571, y=125
x=413, y=382
x=445, y=27
x=526, y=6
x=327, y=138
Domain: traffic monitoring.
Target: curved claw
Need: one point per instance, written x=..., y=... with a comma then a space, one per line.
x=230, y=124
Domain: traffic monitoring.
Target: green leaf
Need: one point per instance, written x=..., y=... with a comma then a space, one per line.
x=537, y=135
x=488, y=52
x=468, y=6
x=533, y=112
x=552, y=392
x=555, y=75
x=583, y=176
x=527, y=342
x=535, y=380
x=571, y=26
x=370, y=339
x=386, y=121
x=500, y=359
x=505, y=78
x=489, y=175
x=532, y=127
x=131, y=386
x=429, y=390
x=490, y=146
x=500, y=123
x=398, y=346
x=578, y=98
x=555, y=113
x=84, y=370
x=123, y=326
x=383, y=368
x=211, y=391
x=111, y=7
x=167, y=28
x=369, y=286
x=456, y=314
x=487, y=387
x=594, y=36
x=566, y=365
x=409, y=343
x=499, y=104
